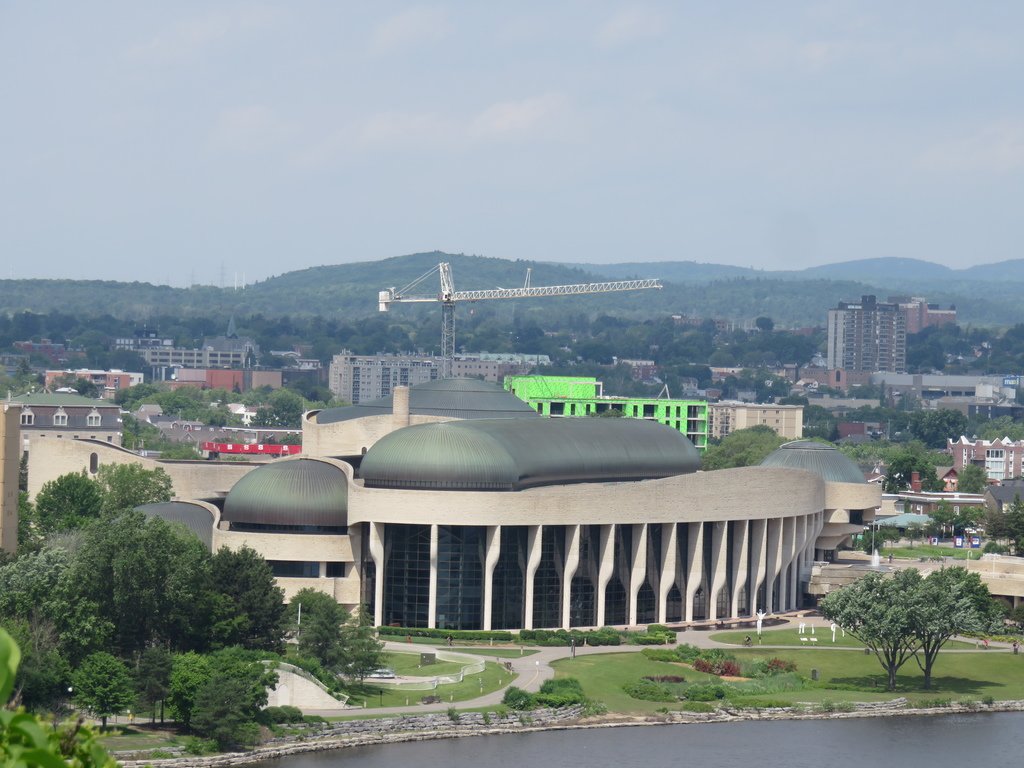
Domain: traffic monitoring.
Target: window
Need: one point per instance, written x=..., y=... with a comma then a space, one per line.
x=27, y=418
x=336, y=570
x=60, y=419
x=93, y=419
x=294, y=569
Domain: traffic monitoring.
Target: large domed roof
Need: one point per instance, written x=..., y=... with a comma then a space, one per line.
x=512, y=454
x=292, y=492
x=448, y=398
x=821, y=458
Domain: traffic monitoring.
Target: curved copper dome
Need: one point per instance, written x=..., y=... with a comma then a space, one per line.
x=294, y=492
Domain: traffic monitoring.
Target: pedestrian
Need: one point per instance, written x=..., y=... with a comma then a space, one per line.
x=985, y=641
x=1016, y=647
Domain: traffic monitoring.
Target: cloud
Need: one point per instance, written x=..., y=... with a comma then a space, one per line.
x=995, y=148
x=535, y=118
x=628, y=26
x=410, y=28
x=249, y=129
x=189, y=37
x=520, y=119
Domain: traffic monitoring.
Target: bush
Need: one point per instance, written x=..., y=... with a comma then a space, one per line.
x=709, y=692
x=283, y=714
x=934, y=703
x=719, y=667
x=453, y=714
x=660, y=654
x=665, y=678
x=778, y=666
x=648, y=690
x=196, y=746
x=501, y=636
x=994, y=547
x=517, y=698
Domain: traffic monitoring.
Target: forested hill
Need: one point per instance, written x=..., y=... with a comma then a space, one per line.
x=790, y=298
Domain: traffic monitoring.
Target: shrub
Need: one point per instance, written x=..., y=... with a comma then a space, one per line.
x=501, y=636
x=517, y=698
x=660, y=654
x=453, y=714
x=776, y=666
x=988, y=701
x=934, y=703
x=666, y=678
x=486, y=718
x=648, y=690
x=719, y=667
x=196, y=746
x=709, y=692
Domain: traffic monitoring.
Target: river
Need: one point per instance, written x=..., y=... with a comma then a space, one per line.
x=946, y=741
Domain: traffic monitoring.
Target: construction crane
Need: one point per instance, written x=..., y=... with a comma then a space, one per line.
x=448, y=297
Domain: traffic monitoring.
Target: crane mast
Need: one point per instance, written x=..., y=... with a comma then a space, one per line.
x=448, y=297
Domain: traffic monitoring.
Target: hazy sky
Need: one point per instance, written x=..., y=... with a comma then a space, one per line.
x=173, y=141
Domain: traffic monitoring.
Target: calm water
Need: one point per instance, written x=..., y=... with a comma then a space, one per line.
x=960, y=741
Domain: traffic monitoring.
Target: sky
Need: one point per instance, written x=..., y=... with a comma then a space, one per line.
x=197, y=142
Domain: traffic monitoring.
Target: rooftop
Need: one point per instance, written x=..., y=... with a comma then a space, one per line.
x=823, y=459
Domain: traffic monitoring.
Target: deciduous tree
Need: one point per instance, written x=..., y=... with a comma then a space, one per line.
x=103, y=685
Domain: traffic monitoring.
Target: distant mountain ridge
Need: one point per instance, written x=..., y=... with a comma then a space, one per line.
x=985, y=294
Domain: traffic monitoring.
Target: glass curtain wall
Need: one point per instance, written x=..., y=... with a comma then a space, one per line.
x=407, y=575
x=547, y=581
x=460, y=586
x=509, y=583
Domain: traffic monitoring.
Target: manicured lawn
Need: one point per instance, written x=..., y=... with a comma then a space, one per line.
x=791, y=636
x=603, y=675
x=957, y=676
x=927, y=550
x=124, y=739
x=408, y=665
x=374, y=694
x=501, y=653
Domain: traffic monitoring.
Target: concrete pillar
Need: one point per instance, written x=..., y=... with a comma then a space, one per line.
x=572, y=562
x=399, y=407
x=432, y=603
x=605, y=568
x=668, y=568
x=786, y=557
x=638, y=568
x=740, y=545
x=758, y=551
x=694, y=565
x=492, y=553
x=533, y=549
x=377, y=555
x=773, y=560
x=719, y=565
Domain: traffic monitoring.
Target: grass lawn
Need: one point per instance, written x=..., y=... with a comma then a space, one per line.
x=603, y=675
x=927, y=550
x=134, y=738
x=957, y=676
x=377, y=695
x=408, y=665
x=792, y=637
x=501, y=653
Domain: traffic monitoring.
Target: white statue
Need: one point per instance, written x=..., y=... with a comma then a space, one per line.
x=832, y=626
x=760, y=618
x=803, y=628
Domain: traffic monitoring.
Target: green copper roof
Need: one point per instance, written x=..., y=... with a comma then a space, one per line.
x=821, y=458
x=512, y=454
x=303, y=492
x=449, y=398
x=196, y=518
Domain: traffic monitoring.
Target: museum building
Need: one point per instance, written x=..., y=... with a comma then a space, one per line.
x=452, y=504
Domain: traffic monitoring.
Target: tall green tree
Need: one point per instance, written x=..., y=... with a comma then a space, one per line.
x=103, y=686
x=70, y=502
x=320, y=630
x=126, y=486
x=880, y=612
x=948, y=602
x=250, y=609
x=189, y=673
x=743, y=448
x=362, y=652
x=153, y=677
x=972, y=479
x=27, y=741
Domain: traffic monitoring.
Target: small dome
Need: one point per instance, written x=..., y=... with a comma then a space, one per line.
x=823, y=459
x=298, y=492
x=197, y=518
x=513, y=454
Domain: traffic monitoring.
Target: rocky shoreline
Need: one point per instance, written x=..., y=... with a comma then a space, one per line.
x=358, y=733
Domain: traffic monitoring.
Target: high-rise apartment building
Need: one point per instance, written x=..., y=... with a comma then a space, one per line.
x=359, y=378
x=868, y=335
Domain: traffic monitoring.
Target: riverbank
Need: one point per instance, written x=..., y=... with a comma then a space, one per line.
x=396, y=730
